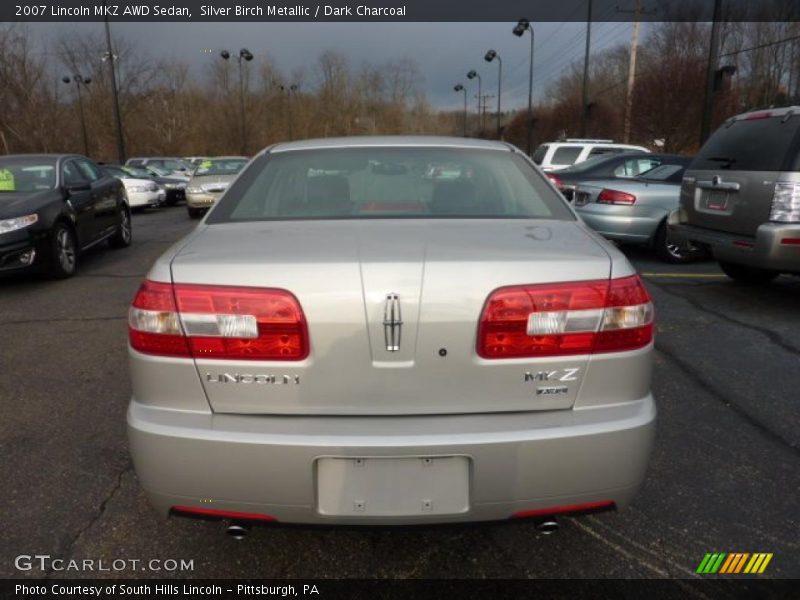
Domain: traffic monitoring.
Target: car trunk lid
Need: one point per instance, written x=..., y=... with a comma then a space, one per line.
x=392, y=308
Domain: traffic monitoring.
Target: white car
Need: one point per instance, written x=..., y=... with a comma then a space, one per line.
x=554, y=156
x=141, y=193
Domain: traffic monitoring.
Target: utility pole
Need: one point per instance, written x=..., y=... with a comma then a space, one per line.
x=115, y=97
x=626, y=127
x=585, y=92
x=483, y=104
x=713, y=58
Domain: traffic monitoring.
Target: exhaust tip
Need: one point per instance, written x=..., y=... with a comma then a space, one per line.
x=548, y=526
x=237, y=531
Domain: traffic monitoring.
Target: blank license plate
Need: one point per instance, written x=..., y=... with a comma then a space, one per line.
x=393, y=487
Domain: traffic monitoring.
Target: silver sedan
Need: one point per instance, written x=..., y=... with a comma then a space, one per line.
x=345, y=340
x=635, y=211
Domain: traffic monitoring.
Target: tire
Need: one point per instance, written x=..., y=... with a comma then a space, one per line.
x=747, y=275
x=124, y=235
x=63, y=251
x=672, y=252
x=194, y=213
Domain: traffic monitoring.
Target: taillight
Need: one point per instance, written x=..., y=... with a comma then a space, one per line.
x=785, y=203
x=556, y=180
x=607, y=196
x=566, y=318
x=208, y=321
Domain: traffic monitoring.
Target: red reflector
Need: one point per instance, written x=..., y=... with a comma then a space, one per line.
x=607, y=196
x=222, y=514
x=561, y=510
x=758, y=115
x=790, y=241
x=505, y=326
x=743, y=243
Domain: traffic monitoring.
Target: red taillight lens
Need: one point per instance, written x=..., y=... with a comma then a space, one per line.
x=556, y=180
x=205, y=321
x=615, y=197
x=566, y=319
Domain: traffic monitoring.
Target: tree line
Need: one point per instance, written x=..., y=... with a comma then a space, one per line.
x=166, y=110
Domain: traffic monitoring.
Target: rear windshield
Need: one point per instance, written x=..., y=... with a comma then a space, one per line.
x=750, y=145
x=566, y=155
x=382, y=182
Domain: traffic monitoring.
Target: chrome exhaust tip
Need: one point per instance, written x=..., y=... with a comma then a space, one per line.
x=238, y=531
x=547, y=526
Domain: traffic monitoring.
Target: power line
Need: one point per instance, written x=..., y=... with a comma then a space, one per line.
x=760, y=46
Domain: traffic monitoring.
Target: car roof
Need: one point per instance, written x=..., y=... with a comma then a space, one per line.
x=390, y=141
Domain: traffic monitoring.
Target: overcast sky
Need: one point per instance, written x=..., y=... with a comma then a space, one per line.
x=444, y=52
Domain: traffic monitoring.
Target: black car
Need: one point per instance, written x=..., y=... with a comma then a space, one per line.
x=622, y=166
x=52, y=207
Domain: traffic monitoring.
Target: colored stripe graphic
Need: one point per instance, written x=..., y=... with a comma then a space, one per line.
x=734, y=563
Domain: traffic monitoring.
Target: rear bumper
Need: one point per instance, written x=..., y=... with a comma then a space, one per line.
x=622, y=223
x=518, y=462
x=766, y=250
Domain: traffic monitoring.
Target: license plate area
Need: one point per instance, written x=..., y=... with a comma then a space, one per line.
x=392, y=486
x=581, y=198
x=716, y=201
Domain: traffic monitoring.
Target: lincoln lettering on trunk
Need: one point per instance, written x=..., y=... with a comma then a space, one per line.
x=250, y=378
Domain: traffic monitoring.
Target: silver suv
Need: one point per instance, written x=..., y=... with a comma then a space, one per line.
x=740, y=197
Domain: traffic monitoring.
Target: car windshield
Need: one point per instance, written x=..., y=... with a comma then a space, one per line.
x=220, y=166
x=27, y=174
x=389, y=182
x=138, y=172
x=667, y=173
x=116, y=171
x=170, y=165
x=589, y=163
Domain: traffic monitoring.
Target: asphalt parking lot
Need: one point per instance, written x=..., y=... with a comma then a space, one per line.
x=725, y=475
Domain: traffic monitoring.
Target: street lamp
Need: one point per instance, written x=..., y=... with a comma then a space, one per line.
x=522, y=26
x=246, y=55
x=290, y=90
x=490, y=56
x=460, y=88
x=79, y=81
x=472, y=75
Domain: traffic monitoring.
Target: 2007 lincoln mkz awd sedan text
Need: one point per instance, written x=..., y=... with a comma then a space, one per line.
x=391, y=330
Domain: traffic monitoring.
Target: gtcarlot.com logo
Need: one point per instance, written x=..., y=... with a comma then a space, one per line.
x=734, y=563
x=45, y=562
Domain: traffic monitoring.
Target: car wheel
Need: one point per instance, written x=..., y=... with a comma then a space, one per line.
x=63, y=251
x=747, y=275
x=673, y=252
x=124, y=235
x=194, y=213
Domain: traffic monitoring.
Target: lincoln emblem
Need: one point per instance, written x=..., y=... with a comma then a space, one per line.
x=392, y=322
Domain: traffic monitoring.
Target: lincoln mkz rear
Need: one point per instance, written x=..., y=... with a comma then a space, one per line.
x=346, y=340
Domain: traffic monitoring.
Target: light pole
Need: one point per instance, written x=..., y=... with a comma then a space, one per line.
x=79, y=81
x=291, y=89
x=522, y=26
x=490, y=56
x=460, y=88
x=244, y=54
x=114, y=95
x=472, y=75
